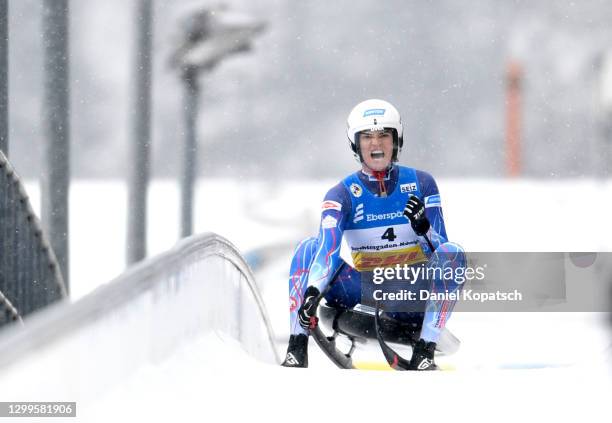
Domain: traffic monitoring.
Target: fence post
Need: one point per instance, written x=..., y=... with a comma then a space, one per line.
x=56, y=179
x=141, y=135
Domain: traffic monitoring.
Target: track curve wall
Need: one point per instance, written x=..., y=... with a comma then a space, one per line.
x=76, y=350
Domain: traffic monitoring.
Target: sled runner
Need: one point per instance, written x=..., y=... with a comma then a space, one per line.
x=363, y=323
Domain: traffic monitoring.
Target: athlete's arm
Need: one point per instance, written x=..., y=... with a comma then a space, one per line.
x=335, y=209
x=433, y=208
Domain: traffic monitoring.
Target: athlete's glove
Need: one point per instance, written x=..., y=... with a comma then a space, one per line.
x=415, y=212
x=306, y=312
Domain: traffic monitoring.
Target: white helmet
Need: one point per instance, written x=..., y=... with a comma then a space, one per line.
x=374, y=115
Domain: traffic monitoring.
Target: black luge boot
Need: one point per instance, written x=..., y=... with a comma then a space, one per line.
x=423, y=356
x=297, y=351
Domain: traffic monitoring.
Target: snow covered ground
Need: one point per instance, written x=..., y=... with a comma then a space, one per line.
x=214, y=380
x=511, y=365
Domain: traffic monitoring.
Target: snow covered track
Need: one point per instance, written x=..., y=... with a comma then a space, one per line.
x=200, y=288
x=185, y=337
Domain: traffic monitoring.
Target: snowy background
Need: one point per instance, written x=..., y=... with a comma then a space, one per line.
x=272, y=142
x=281, y=110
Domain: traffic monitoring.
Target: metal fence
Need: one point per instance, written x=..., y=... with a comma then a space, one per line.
x=30, y=277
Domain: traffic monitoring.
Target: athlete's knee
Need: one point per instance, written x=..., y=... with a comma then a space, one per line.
x=450, y=252
x=450, y=247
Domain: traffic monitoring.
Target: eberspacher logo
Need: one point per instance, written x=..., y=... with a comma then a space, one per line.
x=384, y=216
x=358, y=213
x=374, y=112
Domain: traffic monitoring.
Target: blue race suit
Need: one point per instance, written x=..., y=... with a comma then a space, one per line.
x=378, y=235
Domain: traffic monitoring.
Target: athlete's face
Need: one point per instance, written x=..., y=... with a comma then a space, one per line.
x=376, y=149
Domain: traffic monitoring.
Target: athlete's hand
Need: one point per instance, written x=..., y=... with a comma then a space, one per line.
x=415, y=212
x=307, y=311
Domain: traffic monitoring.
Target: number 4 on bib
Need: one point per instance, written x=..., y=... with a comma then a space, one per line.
x=389, y=235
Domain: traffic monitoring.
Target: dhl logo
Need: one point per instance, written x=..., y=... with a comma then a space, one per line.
x=365, y=261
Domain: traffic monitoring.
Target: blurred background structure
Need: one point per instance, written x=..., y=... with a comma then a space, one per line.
x=4, y=76
x=283, y=111
x=56, y=169
x=140, y=125
x=208, y=36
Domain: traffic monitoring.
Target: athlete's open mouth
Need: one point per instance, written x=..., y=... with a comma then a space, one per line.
x=377, y=154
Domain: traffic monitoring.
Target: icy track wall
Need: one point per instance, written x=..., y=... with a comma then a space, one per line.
x=81, y=350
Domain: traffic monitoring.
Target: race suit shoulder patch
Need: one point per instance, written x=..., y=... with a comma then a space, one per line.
x=329, y=222
x=433, y=201
x=331, y=205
